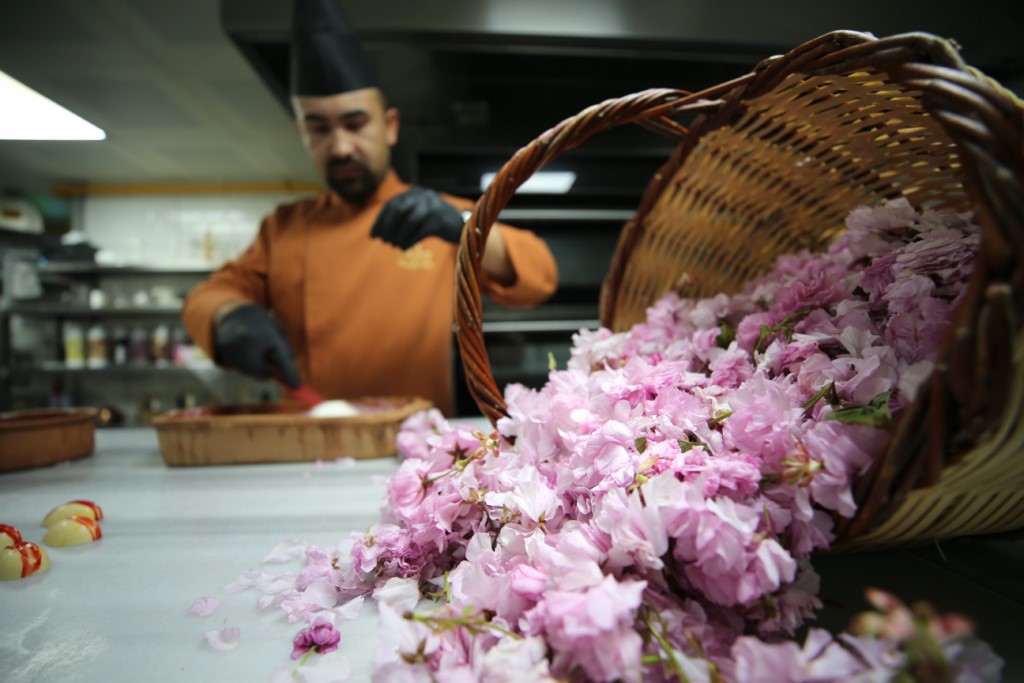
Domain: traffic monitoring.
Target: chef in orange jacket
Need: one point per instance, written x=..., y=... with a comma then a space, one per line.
x=352, y=292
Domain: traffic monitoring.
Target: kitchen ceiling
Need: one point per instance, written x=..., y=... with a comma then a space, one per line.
x=191, y=91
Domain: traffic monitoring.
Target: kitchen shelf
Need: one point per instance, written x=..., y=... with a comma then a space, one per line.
x=555, y=214
x=67, y=281
x=71, y=268
x=555, y=311
x=56, y=369
x=533, y=326
x=58, y=311
x=18, y=238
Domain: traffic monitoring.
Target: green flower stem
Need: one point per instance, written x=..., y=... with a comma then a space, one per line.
x=785, y=327
x=671, y=660
x=488, y=444
x=829, y=389
x=450, y=623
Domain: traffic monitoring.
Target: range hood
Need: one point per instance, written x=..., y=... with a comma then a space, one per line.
x=433, y=55
x=522, y=66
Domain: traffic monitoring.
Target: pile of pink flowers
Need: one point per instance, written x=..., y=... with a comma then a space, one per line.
x=650, y=513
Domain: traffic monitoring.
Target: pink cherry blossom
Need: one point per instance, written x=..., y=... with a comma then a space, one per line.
x=651, y=512
x=322, y=638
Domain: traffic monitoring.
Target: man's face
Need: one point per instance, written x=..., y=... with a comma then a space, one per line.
x=349, y=138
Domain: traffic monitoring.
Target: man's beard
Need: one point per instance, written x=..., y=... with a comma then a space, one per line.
x=353, y=186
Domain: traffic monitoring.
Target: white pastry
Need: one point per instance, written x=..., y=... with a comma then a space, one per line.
x=334, y=408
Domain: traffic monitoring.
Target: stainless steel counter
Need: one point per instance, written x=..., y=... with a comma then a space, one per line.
x=117, y=610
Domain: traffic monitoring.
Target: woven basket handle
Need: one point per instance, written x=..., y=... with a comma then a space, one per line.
x=650, y=109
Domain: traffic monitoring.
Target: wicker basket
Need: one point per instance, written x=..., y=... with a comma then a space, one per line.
x=45, y=436
x=266, y=433
x=771, y=163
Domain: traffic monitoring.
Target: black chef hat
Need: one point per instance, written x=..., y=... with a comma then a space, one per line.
x=326, y=57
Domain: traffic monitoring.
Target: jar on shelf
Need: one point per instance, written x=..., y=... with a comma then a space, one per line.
x=97, y=298
x=161, y=345
x=96, y=356
x=74, y=345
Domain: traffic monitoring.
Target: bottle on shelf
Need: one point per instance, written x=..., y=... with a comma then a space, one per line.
x=161, y=346
x=97, y=347
x=120, y=299
x=186, y=401
x=139, y=349
x=178, y=342
x=120, y=346
x=74, y=345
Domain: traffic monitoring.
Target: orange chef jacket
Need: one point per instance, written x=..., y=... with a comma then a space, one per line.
x=363, y=317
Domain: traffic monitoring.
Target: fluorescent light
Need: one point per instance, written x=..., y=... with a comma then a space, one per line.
x=27, y=115
x=541, y=182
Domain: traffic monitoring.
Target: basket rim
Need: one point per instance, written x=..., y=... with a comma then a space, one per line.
x=404, y=407
x=982, y=119
x=45, y=418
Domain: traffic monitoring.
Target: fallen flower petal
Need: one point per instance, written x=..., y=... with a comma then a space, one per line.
x=332, y=668
x=204, y=606
x=351, y=609
x=248, y=579
x=224, y=640
x=286, y=551
x=401, y=594
x=283, y=676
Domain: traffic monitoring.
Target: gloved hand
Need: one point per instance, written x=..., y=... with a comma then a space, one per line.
x=250, y=340
x=416, y=214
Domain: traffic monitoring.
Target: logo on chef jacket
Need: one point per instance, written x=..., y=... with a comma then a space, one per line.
x=416, y=258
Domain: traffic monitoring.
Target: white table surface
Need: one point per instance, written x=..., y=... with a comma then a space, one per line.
x=117, y=610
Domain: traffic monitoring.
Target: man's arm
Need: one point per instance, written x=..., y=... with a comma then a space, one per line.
x=226, y=315
x=534, y=272
x=517, y=266
x=496, y=264
x=238, y=282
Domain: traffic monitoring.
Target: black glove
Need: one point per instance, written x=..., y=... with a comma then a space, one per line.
x=415, y=214
x=249, y=340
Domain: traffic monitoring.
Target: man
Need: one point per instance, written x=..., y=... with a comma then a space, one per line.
x=352, y=292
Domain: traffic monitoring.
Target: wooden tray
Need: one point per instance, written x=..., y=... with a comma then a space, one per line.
x=36, y=438
x=263, y=433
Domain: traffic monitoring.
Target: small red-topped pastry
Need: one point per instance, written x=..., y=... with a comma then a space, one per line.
x=21, y=560
x=9, y=535
x=74, y=530
x=80, y=508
